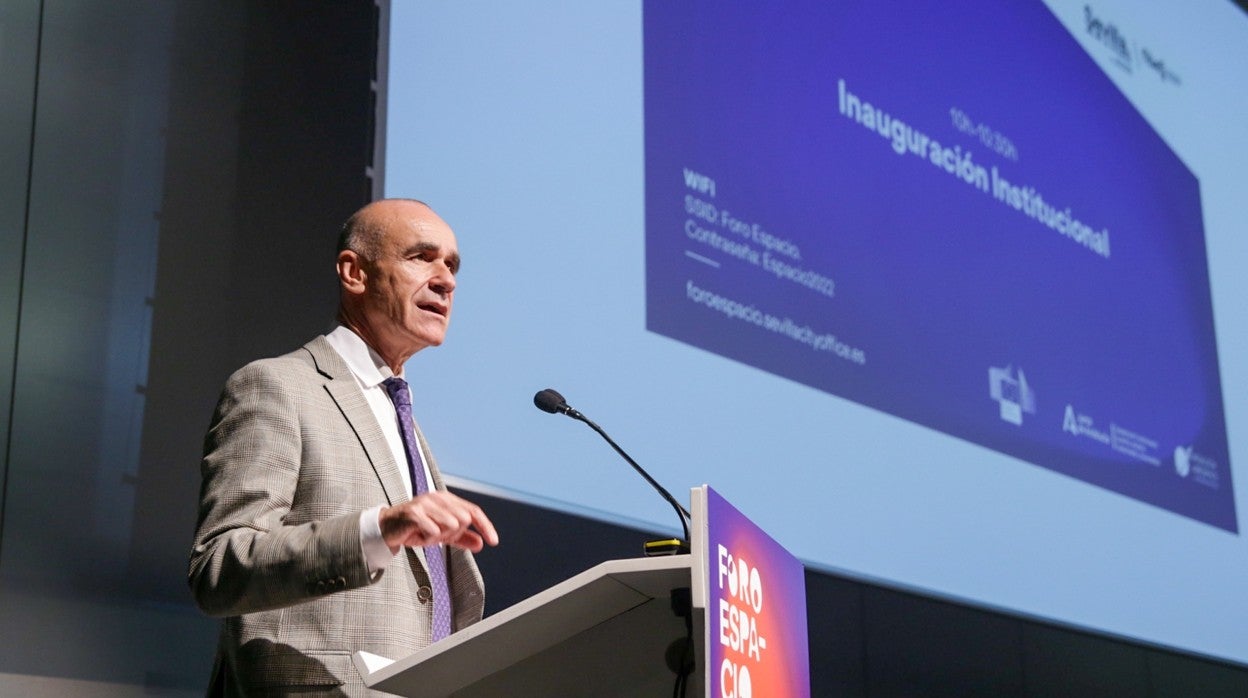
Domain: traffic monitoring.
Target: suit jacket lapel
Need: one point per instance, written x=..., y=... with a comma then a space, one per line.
x=345, y=391
x=341, y=385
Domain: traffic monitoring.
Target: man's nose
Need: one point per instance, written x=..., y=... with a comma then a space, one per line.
x=444, y=281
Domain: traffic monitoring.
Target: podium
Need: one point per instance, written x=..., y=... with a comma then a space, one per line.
x=609, y=631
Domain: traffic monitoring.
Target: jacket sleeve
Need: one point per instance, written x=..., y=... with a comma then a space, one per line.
x=251, y=552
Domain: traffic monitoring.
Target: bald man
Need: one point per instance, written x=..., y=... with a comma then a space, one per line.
x=324, y=525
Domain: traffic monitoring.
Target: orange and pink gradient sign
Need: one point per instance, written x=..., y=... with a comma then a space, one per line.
x=756, y=610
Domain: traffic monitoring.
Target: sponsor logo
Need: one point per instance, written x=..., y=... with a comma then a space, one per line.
x=1079, y=424
x=1126, y=441
x=1009, y=388
x=1183, y=460
x=1123, y=52
x=1192, y=465
x=1108, y=35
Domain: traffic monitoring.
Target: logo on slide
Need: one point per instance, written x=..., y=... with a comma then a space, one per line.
x=1196, y=467
x=1080, y=424
x=1069, y=423
x=1182, y=460
x=1009, y=388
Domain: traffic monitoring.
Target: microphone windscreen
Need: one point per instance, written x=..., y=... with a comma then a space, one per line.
x=549, y=400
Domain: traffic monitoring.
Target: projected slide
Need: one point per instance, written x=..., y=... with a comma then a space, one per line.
x=944, y=212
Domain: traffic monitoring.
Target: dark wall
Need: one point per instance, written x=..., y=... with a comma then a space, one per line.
x=269, y=125
x=172, y=178
x=19, y=53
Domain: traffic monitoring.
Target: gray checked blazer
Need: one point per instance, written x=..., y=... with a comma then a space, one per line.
x=292, y=457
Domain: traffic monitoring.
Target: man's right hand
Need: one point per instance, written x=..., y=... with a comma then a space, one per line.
x=437, y=517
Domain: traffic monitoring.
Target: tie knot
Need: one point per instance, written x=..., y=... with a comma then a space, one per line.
x=397, y=389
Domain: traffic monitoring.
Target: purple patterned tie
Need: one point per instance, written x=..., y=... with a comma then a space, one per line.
x=397, y=388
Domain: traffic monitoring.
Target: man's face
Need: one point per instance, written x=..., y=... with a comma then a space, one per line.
x=411, y=284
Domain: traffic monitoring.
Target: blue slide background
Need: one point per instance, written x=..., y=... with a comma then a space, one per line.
x=937, y=280
x=526, y=128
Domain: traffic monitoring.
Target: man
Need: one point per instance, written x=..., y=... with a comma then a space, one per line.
x=310, y=543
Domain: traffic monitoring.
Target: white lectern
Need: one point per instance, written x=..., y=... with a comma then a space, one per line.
x=607, y=631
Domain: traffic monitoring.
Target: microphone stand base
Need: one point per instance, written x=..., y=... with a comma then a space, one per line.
x=666, y=546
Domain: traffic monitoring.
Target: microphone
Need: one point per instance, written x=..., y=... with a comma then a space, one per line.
x=549, y=400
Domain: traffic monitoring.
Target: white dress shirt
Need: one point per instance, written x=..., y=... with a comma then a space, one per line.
x=370, y=371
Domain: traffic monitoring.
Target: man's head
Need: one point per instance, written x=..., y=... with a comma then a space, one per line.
x=397, y=262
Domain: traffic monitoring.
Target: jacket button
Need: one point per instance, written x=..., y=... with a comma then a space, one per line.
x=424, y=594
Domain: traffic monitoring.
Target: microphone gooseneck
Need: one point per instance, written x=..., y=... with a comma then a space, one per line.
x=549, y=400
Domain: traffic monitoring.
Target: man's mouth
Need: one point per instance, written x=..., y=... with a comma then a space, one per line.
x=433, y=308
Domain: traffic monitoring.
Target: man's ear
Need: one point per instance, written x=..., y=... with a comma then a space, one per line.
x=351, y=273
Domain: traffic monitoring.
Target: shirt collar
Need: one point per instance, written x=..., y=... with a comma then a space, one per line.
x=366, y=364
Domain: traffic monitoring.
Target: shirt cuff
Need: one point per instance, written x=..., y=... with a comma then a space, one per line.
x=376, y=553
